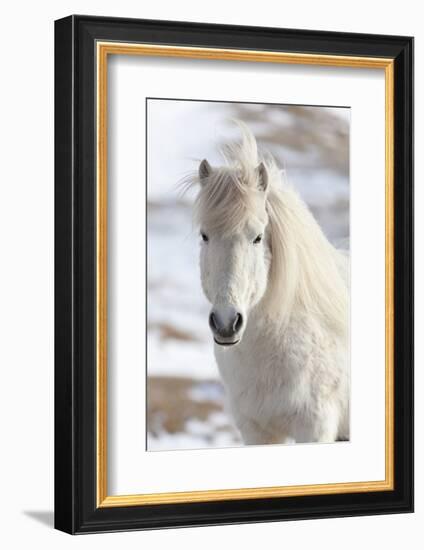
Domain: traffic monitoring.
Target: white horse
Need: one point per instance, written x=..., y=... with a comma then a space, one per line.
x=279, y=295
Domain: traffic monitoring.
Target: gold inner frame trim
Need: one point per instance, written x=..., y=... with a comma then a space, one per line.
x=103, y=50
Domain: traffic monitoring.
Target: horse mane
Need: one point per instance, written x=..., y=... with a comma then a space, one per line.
x=306, y=270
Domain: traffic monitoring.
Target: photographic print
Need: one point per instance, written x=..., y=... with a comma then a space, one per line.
x=247, y=274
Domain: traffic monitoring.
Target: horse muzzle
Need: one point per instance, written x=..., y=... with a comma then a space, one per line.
x=227, y=325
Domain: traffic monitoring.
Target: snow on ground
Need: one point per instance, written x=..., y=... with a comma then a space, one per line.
x=197, y=434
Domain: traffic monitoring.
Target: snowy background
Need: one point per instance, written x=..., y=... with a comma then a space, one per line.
x=185, y=399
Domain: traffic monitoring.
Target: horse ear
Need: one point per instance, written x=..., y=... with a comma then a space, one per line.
x=205, y=170
x=262, y=174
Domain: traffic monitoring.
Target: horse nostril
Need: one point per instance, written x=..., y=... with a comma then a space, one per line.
x=212, y=322
x=238, y=323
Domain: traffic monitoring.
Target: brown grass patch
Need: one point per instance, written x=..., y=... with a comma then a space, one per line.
x=170, y=405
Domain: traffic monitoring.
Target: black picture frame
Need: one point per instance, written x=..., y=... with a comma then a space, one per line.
x=76, y=509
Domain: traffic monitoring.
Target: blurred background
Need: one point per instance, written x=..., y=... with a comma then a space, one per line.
x=185, y=398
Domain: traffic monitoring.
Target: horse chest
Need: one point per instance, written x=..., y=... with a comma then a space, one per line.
x=262, y=385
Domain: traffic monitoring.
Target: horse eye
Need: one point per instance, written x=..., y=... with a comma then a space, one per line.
x=258, y=239
x=205, y=238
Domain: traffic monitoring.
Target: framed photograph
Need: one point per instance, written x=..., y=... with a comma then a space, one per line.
x=234, y=274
